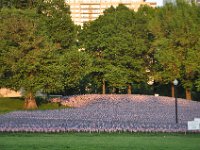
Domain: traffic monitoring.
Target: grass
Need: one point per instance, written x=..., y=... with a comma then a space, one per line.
x=10, y=104
x=90, y=141
x=95, y=141
x=13, y=104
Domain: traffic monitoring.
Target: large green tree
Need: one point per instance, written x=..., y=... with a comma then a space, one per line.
x=186, y=38
x=22, y=4
x=32, y=44
x=164, y=61
x=29, y=58
x=176, y=42
x=39, y=50
x=76, y=66
x=117, y=41
x=60, y=28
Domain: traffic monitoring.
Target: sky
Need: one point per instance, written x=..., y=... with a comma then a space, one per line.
x=159, y=2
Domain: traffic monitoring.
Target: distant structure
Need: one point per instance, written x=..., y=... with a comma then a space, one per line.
x=5, y=92
x=88, y=10
x=174, y=1
x=197, y=2
x=169, y=1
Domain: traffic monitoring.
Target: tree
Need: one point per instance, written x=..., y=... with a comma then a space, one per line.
x=46, y=47
x=60, y=27
x=176, y=38
x=20, y=4
x=117, y=42
x=186, y=38
x=29, y=57
x=76, y=65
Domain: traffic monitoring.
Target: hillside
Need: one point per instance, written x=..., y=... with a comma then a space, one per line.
x=108, y=113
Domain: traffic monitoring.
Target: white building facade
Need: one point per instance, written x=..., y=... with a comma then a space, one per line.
x=88, y=10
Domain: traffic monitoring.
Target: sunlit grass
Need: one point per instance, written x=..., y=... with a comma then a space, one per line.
x=102, y=141
x=13, y=104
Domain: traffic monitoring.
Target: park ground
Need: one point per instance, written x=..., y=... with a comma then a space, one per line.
x=99, y=141
x=14, y=104
x=91, y=141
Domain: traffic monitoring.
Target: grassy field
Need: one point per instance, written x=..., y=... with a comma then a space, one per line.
x=12, y=104
x=90, y=141
x=94, y=141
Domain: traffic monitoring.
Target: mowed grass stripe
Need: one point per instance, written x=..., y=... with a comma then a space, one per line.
x=15, y=104
x=105, y=141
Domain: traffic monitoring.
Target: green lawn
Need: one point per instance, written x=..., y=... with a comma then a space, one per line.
x=94, y=141
x=12, y=104
x=88, y=141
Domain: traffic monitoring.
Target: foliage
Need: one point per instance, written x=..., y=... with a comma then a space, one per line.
x=117, y=43
x=22, y=4
x=39, y=46
x=60, y=28
x=175, y=29
x=28, y=56
x=32, y=45
x=76, y=65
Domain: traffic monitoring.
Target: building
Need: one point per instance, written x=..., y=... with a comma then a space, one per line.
x=197, y=2
x=5, y=92
x=169, y=1
x=88, y=10
x=174, y=1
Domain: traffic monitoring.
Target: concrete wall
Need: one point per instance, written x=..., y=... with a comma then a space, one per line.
x=4, y=92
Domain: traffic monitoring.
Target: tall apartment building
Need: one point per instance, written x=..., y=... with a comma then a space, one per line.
x=174, y=1
x=196, y=1
x=169, y=1
x=88, y=10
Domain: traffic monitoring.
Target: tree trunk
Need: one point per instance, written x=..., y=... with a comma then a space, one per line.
x=129, y=89
x=117, y=91
x=172, y=90
x=188, y=94
x=30, y=102
x=104, y=87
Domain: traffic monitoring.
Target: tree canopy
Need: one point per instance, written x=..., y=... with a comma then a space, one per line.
x=117, y=42
x=31, y=50
x=41, y=49
x=176, y=44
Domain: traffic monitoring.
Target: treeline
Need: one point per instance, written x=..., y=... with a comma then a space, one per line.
x=120, y=52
